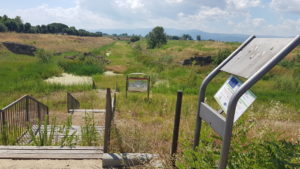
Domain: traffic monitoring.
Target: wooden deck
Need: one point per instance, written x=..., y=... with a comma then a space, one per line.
x=59, y=133
x=87, y=110
x=50, y=152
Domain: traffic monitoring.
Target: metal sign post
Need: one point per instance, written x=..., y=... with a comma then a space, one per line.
x=138, y=82
x=253, y=59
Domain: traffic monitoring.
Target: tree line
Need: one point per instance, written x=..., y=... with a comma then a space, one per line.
x=16, y=25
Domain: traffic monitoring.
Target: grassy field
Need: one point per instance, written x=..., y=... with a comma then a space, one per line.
x=266, y=136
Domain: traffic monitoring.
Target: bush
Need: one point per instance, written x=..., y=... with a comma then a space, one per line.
x=222, y=55
x=43, y=55
x=134, y=38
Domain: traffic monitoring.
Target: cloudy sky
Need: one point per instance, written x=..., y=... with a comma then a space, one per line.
x=261, y=17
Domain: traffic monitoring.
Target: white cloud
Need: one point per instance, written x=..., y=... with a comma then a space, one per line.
x=286, y=5
x=133, y=4
x=242, y=4
x=174, y=1
x=74, y=16
x=229, y=16
x=257, y=21
x=207, y=12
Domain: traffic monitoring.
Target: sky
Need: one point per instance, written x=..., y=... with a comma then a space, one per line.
x=259, y=17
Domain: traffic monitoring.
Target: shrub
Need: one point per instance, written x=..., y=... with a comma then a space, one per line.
x=222, y=55
x=134, y=38
x=43, y=55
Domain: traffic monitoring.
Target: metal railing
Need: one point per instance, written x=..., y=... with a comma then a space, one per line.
x=72, y=103
x=16, y=116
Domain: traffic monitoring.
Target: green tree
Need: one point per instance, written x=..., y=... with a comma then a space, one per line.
x=99, y=34
x=44, y=29
x=27, y=27
x=71, y=31
x=3, y=28
x=156, y=37
x=12, y=25
x=33, y=29
x=187, y=37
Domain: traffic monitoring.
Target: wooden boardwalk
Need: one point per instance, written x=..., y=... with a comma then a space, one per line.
x=50, y=152
x=87, y=110
x=59, y=133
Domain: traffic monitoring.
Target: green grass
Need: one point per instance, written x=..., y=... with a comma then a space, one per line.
x=80, y=68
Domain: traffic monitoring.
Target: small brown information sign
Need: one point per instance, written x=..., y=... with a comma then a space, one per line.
x=138, y=82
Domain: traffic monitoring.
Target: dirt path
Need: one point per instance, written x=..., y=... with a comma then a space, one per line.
x=78, y=118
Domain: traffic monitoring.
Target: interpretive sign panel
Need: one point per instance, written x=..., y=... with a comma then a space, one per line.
x=138, y=84
x=224, y=94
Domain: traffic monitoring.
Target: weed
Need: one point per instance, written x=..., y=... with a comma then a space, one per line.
x=39, y=133
x=9, y=136
x=68, y=139
x=43, y=55
x=89, y=134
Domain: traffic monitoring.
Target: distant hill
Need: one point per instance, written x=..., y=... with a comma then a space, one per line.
x=179, y=32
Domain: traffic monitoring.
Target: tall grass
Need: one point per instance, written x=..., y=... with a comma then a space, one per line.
x=39, y=134
x=89, y=134
x=9, y=136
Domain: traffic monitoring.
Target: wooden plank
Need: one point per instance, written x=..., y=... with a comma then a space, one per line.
x=50, y=156
x=87, y=110
x=51, y=151
x=50, y=148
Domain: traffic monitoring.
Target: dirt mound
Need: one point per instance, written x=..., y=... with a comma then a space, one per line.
x=19, y=48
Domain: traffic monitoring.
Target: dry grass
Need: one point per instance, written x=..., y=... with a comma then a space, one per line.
x=57, y=43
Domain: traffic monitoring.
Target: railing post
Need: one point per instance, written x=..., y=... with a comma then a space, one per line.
x=39, y=112
x=3, y=118
x=176, y=128
x=108, y=119
x=27, y=108
x=148, y=90
x=68, y=102
x=114, y=103
x=126, y=86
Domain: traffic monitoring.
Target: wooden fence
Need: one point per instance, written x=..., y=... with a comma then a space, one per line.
x=110, y=109
x=72, y=103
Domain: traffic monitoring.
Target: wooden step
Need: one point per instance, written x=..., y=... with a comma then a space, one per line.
x=50, y=152
x=87, y=110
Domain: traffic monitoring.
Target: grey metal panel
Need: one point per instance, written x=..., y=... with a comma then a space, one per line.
x=213, y=118
x=255, y=55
